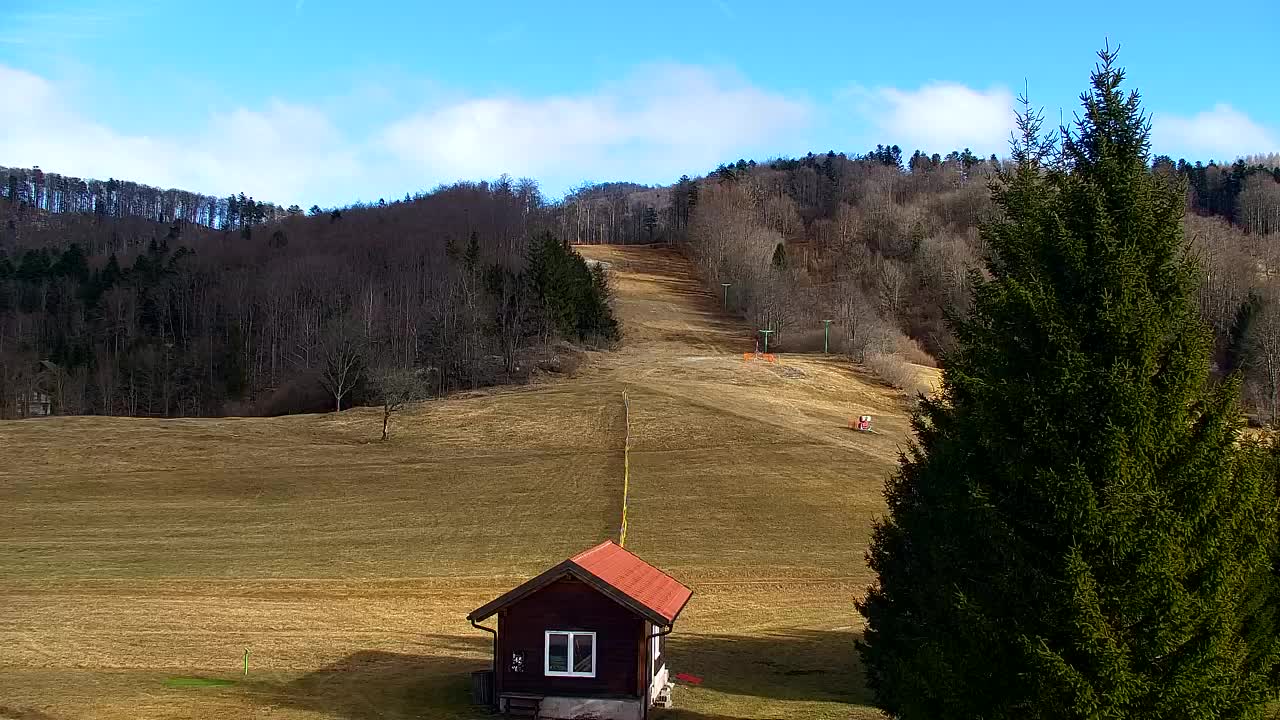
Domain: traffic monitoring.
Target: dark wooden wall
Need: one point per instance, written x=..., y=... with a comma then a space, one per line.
x=570, y=604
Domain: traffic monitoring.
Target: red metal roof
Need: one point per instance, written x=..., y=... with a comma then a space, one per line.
x=608, y=568
x=635, y=578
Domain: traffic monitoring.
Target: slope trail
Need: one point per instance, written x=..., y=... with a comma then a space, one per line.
x=678, y=342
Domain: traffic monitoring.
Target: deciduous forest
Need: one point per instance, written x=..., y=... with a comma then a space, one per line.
x=121, y=298
x=887, y=247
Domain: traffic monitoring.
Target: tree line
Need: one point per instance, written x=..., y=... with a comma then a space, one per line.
x=613, y=214
x=50, y=192
x=464, y=286
x=883, y=244
x=1244, y=193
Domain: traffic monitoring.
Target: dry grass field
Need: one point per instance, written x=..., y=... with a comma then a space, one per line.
x=135, y=553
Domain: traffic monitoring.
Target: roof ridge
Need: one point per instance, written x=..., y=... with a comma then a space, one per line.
x=594, y=548
x=614, y=543
x=655, y=567
x=631, y=577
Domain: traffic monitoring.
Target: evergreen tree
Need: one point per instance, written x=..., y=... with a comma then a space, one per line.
x=779, y=257
x=919, y=162
x=1239, y=349
x=111, y=272
x=573, y=297
x=73, y=264
x=6, y=288
x=682, y=202
x=1076, y=532
x=471, y=258
x=650, y=220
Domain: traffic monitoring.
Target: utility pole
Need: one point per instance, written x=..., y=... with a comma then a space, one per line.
x=826, y=334
x=766, y=338
x=726, y=295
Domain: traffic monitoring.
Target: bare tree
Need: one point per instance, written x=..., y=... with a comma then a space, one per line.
x=891, y=285
x=53, y=378
x=395, y=387
x=511, y=300
x=1258, y=205
x=1229, y=269
x=343, y=355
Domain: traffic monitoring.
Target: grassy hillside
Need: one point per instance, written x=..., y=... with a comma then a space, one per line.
x=137, y=553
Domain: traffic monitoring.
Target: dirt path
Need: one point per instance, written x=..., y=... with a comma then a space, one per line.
x=134, y=551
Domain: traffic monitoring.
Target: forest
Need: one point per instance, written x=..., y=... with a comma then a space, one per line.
x=122, y=298
x=106, y=312
x=888, y=247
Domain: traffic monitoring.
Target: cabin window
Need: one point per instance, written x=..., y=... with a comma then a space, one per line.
x=570, y=654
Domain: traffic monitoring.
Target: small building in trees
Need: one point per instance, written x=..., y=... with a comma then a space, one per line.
x=586, y=638
x=34, y=404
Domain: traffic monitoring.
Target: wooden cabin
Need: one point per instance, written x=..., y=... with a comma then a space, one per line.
x=585, y=638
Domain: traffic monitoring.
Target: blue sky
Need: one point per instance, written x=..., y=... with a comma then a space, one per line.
x=328, y=101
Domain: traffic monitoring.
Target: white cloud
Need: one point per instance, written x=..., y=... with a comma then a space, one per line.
x=666, y=119
x=939, y=117
x=283, y=152
x=1222, y=133
x=656, y=124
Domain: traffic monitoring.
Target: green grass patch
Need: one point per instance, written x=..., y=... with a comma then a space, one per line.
x=197, y=682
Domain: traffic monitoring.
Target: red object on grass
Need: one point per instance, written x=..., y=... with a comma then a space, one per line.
x=691, y=679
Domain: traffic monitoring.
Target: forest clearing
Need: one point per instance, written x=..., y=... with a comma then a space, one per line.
x=140, y=554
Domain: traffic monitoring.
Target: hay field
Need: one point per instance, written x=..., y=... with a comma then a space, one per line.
x=137, y=554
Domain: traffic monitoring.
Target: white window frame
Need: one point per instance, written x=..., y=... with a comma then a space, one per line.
x=546, y=654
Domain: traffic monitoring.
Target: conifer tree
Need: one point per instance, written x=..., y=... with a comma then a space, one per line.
x=1077, y=531
x=779, y=261
x=574, y=298
x=650, y=221
x=1239, y=350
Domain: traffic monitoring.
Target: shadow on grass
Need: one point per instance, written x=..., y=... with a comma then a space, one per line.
x=801, y=665
x=678, y=713
x=375, y=684
x=818, y=665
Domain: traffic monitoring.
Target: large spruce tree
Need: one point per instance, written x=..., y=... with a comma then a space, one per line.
x=1077, y=531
